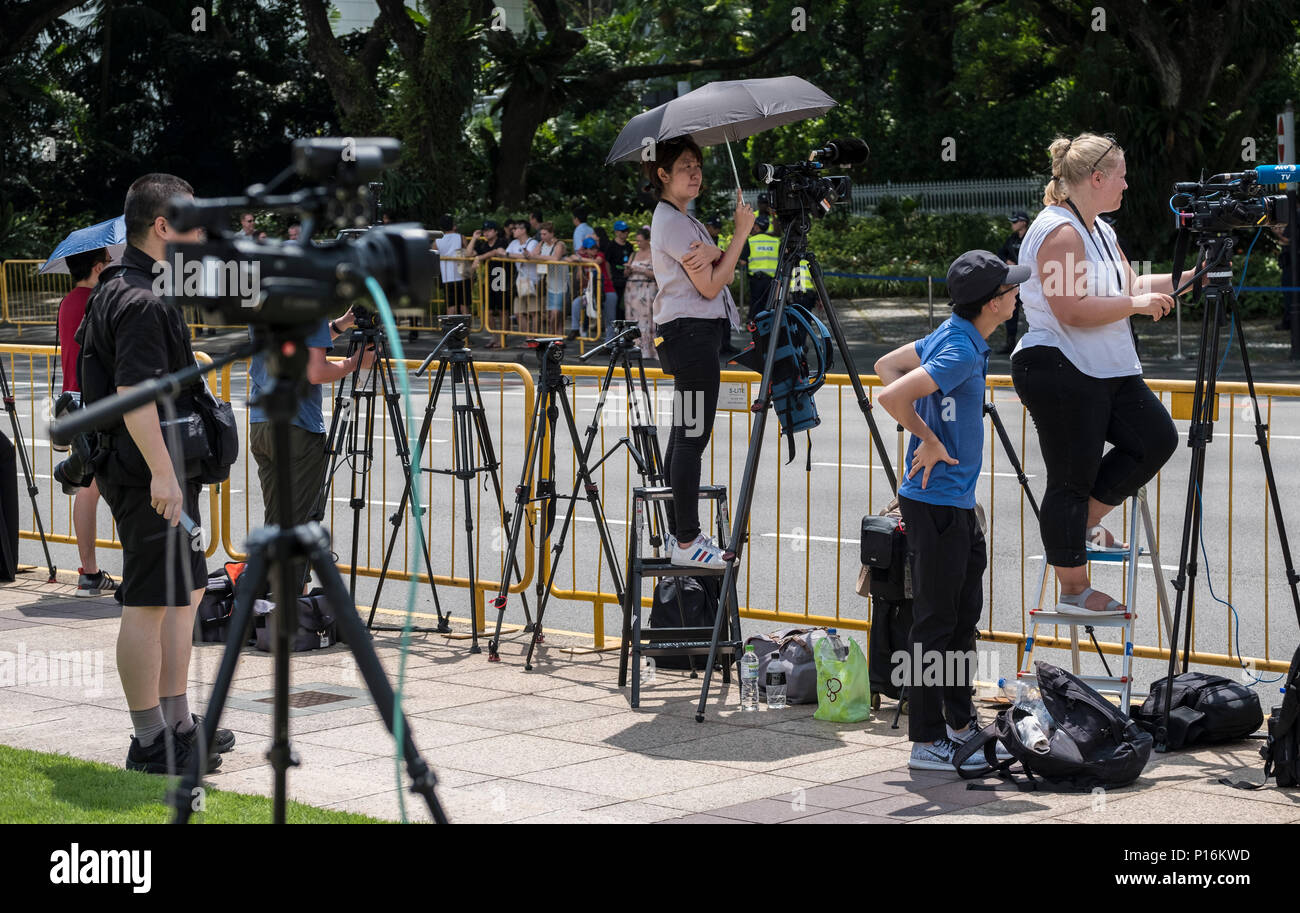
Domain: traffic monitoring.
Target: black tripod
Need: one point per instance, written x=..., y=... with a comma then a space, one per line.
x=32, y=490
x=472, y=440
x=794, y=247
x=1220, y=300
x=354, y=409
x=645, y=453
x=539, y=458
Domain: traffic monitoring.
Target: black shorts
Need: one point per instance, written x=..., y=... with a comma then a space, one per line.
x=143, y=534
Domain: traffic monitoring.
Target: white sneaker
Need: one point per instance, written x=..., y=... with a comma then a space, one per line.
x=972, y=730
x=700, y=553
x=939, y=757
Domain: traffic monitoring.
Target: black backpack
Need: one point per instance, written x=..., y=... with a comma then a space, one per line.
x=684, y=602
x=1204, y=709
x=891, y=631
x=317, y=625
x=1281, y=752
x=1092, y=743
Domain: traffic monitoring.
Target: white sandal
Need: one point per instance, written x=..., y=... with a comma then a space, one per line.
x=1099, y=539
x=1076, y=604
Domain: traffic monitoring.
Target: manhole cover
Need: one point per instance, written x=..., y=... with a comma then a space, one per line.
x=300, y=699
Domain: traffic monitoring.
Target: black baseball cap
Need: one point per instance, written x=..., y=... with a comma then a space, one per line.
x=977, y=274
x=762, y=222
x=489, y=223
x=1019, y=216
x=715, y=221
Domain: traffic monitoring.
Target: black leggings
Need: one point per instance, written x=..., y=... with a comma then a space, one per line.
x=1076, y=415
x=690, y=352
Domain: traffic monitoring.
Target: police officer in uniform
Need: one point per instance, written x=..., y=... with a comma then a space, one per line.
x=761, y=256
x=128, y=336
x=801, y=286
x=1009, y=253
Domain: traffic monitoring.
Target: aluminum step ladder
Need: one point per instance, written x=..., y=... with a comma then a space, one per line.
x=1122, y=684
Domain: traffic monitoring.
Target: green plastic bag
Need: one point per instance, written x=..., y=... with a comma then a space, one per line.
x=843, y=687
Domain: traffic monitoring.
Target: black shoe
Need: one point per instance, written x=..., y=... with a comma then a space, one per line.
x=224, y=741
x=154, y=760
x=572, y=335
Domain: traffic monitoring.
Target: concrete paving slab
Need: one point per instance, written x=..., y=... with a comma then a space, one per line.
x=755, y=750
x=731, y=791
x=520, y=755
x=632, y=776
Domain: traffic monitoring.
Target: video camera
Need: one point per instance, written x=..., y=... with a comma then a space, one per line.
x=1228, y=202
x=800, y=186
x=294, y=283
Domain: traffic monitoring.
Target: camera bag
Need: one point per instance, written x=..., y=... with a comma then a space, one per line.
x=1204, y=709
x=1281, y=752
x=684, y=602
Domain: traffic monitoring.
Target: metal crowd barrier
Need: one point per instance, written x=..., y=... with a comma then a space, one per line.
x=783, y=578
x=507, y=312
x=34, y=371
x=27, y=298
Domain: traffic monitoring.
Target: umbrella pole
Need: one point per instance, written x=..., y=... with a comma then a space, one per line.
x=734, y=173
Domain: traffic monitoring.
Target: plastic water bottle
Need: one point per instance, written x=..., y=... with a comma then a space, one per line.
x=841, y=649
x=1025, y=695
x=749, y=679
x=647, y=671
x=778, y=677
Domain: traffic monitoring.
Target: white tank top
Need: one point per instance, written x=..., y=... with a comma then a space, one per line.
x=1104, y=351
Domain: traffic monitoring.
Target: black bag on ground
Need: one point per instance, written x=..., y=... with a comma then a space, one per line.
x=8, y=510
x=697, y=607
x=212, y=620
x=1205, y=709
x=1091, y=744
x=317, y=628
x=796, y=647
x=891, y=630
x=1281, y=753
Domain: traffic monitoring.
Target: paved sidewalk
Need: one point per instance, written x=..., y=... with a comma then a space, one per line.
x=560, y=744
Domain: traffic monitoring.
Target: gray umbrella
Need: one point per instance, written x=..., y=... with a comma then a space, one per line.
x=721, y=112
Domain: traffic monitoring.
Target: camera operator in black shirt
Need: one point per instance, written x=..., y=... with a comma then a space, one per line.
x=130, y=335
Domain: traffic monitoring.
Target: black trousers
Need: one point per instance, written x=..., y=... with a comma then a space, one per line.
x=760, y=285
x=948, y=558
x=1076, y=416
x=690, y=352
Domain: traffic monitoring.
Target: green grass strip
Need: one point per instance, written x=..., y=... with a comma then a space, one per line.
x=40, y=788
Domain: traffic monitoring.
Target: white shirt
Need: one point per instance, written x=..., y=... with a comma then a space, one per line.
x=449, y=245
x=1104, y=351
x=671, y=234
x=525, y=268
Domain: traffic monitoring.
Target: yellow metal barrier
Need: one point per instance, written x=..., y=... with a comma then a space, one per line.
x=506, y=312
x=785, y=581
x=35, y=370
x=29, y=298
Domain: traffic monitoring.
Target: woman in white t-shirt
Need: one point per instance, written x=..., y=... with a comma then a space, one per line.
x=694, y=313
x=454, y=271
x=1077, y=371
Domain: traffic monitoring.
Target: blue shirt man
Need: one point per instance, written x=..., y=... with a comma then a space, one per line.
x=935, y=389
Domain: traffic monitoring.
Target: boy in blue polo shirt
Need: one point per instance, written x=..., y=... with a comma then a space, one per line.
x=935, y=389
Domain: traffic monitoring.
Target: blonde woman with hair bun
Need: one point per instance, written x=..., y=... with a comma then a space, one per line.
x=1076, y=369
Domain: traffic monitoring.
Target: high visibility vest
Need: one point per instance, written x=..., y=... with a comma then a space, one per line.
x=801, y=281
x=763, y=253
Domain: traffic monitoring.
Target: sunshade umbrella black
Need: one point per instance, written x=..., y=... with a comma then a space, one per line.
x=721, y=112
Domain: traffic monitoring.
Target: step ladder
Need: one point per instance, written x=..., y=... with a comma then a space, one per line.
x=1122, y=684
x=681, y=641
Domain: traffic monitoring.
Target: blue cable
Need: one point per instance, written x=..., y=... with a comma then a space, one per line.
x=1205, y=560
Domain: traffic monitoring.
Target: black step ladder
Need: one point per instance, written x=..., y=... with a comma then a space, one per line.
x=652, y=642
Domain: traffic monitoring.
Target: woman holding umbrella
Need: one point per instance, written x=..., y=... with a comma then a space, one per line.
x=694, y=312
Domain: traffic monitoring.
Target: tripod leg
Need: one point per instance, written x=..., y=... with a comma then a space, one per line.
x=354, y=635
x=252, y=582
x=532, y=455
x=397, y=518
x=1261, y=441
x=1001, y=430
x=465, y=472
x=1197, y=438
x=837, y=331
x=493, y=466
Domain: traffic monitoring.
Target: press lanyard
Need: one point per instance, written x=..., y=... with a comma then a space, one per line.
x=1102, y=248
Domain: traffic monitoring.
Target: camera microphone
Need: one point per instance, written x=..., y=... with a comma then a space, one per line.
x=848, y=150
x=1269, y=175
